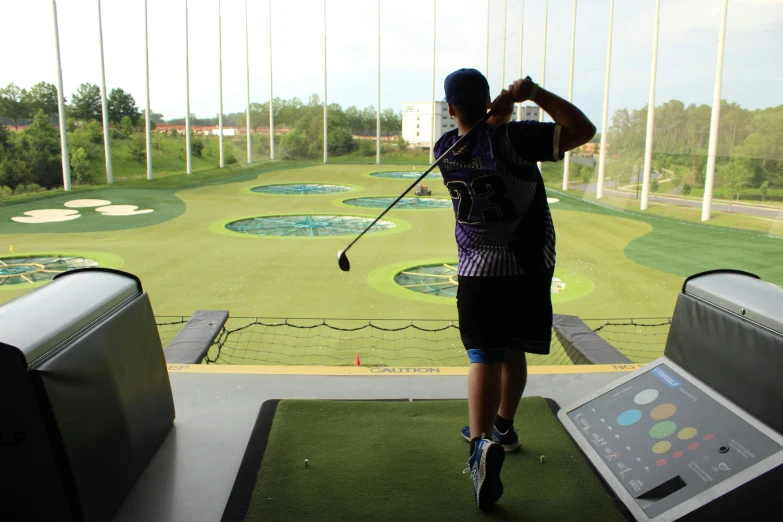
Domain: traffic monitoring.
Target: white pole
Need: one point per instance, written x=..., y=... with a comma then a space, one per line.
x=247, y=74
x=220, y=81
x=326, y=104
x=521, y=41
x=188, y=150
x=378, y=113
x=567, y=158
x=61, y=107
x=104, y=105
x=148, y=113
x=543, y=67
x=271, y=95
x=434, y=40
x=648, y=144
x=715, y=119
x=486, y=50
x=599, y=191
x=503, y=60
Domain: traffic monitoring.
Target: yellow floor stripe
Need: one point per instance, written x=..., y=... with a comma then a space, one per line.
x=387, y=371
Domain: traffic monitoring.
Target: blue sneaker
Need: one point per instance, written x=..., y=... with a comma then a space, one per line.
x=484, y=466
x=509, y=439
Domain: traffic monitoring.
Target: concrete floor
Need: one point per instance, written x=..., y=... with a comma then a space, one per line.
x=191, y=475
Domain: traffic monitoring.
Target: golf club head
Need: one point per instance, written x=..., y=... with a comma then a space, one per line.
x=342, y=260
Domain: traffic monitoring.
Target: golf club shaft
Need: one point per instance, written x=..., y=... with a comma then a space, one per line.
x=462, y=138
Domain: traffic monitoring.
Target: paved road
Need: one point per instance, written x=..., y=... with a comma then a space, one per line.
x=764, y=212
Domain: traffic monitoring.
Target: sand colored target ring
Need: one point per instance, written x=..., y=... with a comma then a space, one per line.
x=87, y=203
x=122, y=210
x=47, y=215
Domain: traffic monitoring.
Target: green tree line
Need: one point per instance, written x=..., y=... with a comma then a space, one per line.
x=30, y=159
x=749, y=152
x=288, y=113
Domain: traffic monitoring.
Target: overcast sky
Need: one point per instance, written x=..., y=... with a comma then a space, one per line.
x=752, y=75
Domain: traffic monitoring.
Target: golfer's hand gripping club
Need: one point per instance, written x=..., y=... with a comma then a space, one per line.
x=500, y=103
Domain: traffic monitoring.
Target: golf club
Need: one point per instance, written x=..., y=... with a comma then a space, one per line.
x=342, y=259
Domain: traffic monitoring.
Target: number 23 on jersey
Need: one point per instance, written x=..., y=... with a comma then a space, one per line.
x=484, y=200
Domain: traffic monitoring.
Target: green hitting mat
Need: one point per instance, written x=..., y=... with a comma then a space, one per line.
x=394, y=460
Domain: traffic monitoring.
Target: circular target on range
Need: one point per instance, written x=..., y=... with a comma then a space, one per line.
x=300, y=189
x=404, y=174
x=307, y=225
x=34, y=269
x=442, y=280
x=404, y=203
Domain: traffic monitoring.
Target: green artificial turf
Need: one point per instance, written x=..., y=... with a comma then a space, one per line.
x=404, y=460
x=164, y=203
x=685, y=248
x=616, y=264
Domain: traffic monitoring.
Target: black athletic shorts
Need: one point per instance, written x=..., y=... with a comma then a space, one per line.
x=506, y=312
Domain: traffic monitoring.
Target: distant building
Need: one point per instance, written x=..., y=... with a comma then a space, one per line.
x=591, y=148
x=529, y=112
x=227, y=131
x=417, y=121
x=195, y=129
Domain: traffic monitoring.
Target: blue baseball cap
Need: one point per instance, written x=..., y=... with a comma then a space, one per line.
x=466, y=86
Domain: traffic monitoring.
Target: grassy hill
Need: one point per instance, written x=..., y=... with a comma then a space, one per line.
x=169, y=155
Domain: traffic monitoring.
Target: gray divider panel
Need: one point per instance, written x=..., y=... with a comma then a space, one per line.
x=193, y=341
x=86, y=396
x=583, y=345
x=727, y=330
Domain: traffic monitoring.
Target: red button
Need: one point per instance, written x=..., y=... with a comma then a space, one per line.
x=661, y=462
x=693, y=445
x=708, y=436
x=677, y=454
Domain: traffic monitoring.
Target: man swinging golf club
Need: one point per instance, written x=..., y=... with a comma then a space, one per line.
x=506, y=248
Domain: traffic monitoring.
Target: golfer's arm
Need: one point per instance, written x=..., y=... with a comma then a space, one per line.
x=575, y=128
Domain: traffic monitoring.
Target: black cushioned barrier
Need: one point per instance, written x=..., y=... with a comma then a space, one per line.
x=583, y=345
x=192, y=342
x=737, y=357
x=86, y=398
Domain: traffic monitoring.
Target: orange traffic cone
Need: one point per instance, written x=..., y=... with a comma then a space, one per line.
x=356, y=361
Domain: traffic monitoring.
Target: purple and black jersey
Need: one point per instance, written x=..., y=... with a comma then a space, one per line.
x=503, y=221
